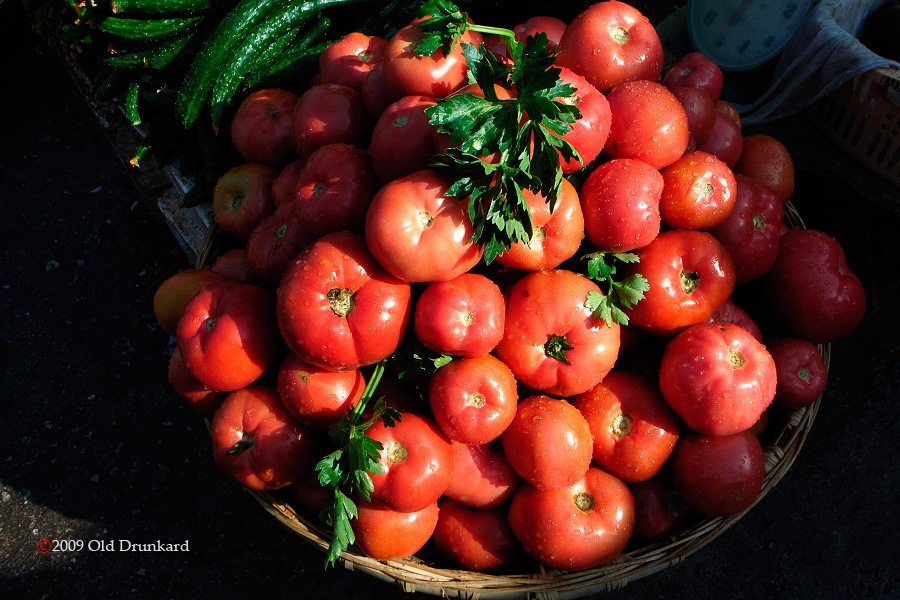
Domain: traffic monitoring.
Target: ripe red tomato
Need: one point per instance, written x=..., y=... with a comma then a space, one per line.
x=700, y=109
x=482, y=476
x=274, y=243
x=552, y=342
x=648, y=123
x=548, y=443
x=286, y=182
x=766, y=160
x=242, y=198
x=386, y=534
x=176, y=291
x=418, y=233
x=315, y=396
x=723, y=140
x=200, y=397
x=556, y=236
x=334, y=190
x=730, y=312
x=337, y=308
x=698, y=192
x=802, y=372
x=349, y=60
x=634, y=429
x=729, y=110
x=234, y=264
x=620, y=201
x=579, y=526
x=697, y=71
x=718, y=475
x=417, y=462
x=464, y=316
x=403, y=139
x=478, y=539
x=374, y=93
x=658, y=509
x=810, y=290
x=329, y=113
x=473, y=400
x=257, y=443
x=751, y=232
x=228, y=336
x=589, y=132
x=261, y=128
x=610, y=43
x=552, y=27
x=690, y=276
x=717, y=377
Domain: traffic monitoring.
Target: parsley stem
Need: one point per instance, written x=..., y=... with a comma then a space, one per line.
x=508, y=34
x=369, y=391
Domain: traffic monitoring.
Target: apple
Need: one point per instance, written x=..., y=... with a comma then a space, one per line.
x=261, y=128
x=243, y=197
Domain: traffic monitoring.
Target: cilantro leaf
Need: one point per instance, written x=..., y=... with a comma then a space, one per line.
x=620, y=295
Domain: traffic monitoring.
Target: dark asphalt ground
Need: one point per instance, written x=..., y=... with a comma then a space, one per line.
x=95, y=448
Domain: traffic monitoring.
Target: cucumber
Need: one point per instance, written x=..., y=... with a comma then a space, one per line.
x=153, y=58
x=300, y=47
x=131, y=103
x=146, y=29
x=158, y=7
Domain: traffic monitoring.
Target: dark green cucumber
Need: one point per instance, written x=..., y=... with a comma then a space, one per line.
x=131, y=103
x=146, y=29
x=154, y=58
x=298, y=49
x=158, y=7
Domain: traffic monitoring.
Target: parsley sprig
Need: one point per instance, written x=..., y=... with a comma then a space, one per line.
x=624, y=294
x=522, y=133
x=346, y=471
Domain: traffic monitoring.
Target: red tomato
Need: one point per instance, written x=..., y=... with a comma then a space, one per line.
x=802, y=372
x=729, y=110
x=374, y=93
x=417, y=460
x=478, y=539
x=228, y=336
x=730, y=312
x=349, y=60
x=610, y=43
x=634, y=429
x=752, y=230
x=766, y=160
x=690, y=276
x=329, y=113
x=717, y=377
x=482, y=476
x=700, y=109
x=338, y=309
x=257, y=443
x=386, y=534
x=552, y=342
x=274, y=243
x=589, y=132
x=261, y=128
x=552, y=27
x=620, y=201
x=242, y=198
x=403, y=139
x=234, y=264
x=574, y=527
x=698, y=192
x=417, y=232
x=548, y=443
x=437, y=76
x=286, y=182
x=174, y=293
x=723, y=140
x=203, y=399
x=315, y=396
x=658, y=509
x=810, y=290
x=334, y=190
x=463, y=316
x=697, y=71
x=473, y=400
x=648, y=123
x=719, y=475
x=556, y=236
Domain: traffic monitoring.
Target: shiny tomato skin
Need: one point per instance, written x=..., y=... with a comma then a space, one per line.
x=589, y=132
x=730, y=312
x=228, y=336
x=802, y=372
x=579, y=526
x=242, y=198
x=552, y=342
x=419, y=234
x=690, y=276
x=699, y=192
x=768, y=161
x=463, y=316
x=697, y=71
x=620, y=202
x=552, y=27
x=337, y=308
x=478, y=539
x=258, y=444
x=723, y=140
x=751, y=232
x=417, y=459
x=473, y=400
x=548, y=443
x=718, y=475
x=482, y=476
x=286, y=182
x=315, y=396
x=403, y=139
x=810, y=289
x=648, y=123
x=329, y=113
x=234, y=264
x=349, y=60
x=658, y=509
x=261, y=127
x=200, y=397
x=634, y=429
x=173, y=294
x=699, y=108
x=274, y=243
x=717, y=377
x=386, y=534
x=610, y=43
x=557, y=235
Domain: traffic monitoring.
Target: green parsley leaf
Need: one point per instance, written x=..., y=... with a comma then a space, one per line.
x=620, y=295
x=443, y=29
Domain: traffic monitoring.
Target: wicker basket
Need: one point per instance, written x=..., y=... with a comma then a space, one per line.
x=783, y=442
x=863, y=118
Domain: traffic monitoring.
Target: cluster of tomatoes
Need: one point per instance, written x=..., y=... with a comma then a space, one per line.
x=547, y=431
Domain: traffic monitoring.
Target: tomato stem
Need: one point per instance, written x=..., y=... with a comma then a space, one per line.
x=245, y=443
x=557, y=346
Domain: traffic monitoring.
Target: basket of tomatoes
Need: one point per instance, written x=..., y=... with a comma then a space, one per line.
x=503, y=312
